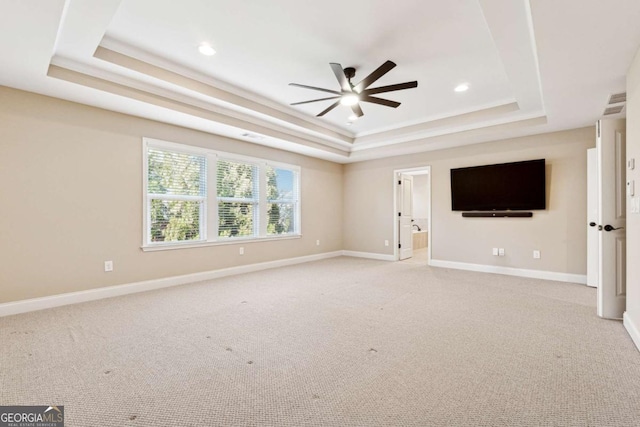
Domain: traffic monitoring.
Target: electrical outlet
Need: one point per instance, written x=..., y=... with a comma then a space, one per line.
x=386, y=243
x=536, y=254
x=495, y=251
x=241, y=251
x=501, y=251
x=108, y=266
x=317, y=242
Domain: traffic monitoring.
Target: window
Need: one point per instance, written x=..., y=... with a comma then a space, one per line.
x=176, y=190
x=199, y=196
x=238, y=198
x=282, y=200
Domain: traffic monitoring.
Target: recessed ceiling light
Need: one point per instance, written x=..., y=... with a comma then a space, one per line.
x=206, y=49
x=350, y=99
x=353, y=118
x=463, y=87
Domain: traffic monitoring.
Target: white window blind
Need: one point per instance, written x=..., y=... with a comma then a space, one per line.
x=283, y=194
x=176, y=196
x=238, y=197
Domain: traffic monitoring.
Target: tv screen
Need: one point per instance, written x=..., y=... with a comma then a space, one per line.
x=508, y=186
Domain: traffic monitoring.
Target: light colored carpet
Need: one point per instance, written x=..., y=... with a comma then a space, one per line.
x=340, y=342
x=419, y=257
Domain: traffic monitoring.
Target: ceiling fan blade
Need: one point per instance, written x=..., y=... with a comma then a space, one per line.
x=331, y=107
x=316, y=88
x=379, y=72
x=315, y=100
x=357, y=110
x=390, y=88
x=376, y=100
x=342, y=79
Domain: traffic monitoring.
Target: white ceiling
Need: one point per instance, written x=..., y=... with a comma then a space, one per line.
x=533, y=66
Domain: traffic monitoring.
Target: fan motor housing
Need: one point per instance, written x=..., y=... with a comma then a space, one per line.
x=349, y=72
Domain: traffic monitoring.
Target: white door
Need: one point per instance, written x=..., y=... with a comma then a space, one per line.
x=593, y=235
x=405, y=215
x=610, y=144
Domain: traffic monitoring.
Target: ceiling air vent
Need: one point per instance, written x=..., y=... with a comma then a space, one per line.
x=252, y=136
x=617, y=98
x=613, y=110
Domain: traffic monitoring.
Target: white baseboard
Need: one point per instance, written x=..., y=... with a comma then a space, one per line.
x=510, y=271
x=632, y=329
x=370, y=255
x=33, y=304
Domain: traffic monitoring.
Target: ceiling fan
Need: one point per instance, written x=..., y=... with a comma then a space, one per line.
x=351, y=95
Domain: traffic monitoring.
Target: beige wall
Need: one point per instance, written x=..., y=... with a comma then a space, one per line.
x=72, y=198
x=633, y=220
x=558, y=232
x=420, y=196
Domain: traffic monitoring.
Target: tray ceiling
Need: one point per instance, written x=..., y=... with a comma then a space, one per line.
x=532, y=67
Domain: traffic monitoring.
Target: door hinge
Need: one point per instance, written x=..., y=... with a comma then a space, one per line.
x=399, y=182
x=399, y=213
x=598, y=128
x=399, y=246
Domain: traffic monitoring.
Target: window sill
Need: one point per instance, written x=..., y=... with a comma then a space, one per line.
x=234, y=241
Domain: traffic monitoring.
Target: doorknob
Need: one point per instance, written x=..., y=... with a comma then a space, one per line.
x=592, y=224
x=610, y=228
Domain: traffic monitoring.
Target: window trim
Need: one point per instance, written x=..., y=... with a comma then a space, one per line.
x=209, y=224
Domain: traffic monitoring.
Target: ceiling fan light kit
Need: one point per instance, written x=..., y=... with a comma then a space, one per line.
x=349, y=99
x=351, y=95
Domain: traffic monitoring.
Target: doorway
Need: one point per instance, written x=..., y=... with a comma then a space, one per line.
x=412, y=214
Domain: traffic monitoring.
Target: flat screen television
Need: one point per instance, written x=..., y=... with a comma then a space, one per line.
x=513, y=186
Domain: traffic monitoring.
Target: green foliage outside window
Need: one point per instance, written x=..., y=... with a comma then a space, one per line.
x=280, y=198
x=175, y=174
x=236, y=181
x=174, y=220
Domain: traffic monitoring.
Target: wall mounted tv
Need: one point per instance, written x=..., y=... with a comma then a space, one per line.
x=514, y=186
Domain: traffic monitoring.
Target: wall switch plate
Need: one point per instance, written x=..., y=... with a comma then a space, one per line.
x=317, y=242
x=386, y=243
x=495, y=251
x=631, y=188
x=108, y=266
x=631, y=164
x=241, y=251
x=501, y=251
x=536, y=254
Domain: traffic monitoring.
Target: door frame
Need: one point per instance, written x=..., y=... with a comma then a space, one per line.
x=593, y=235
x=396, y=236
